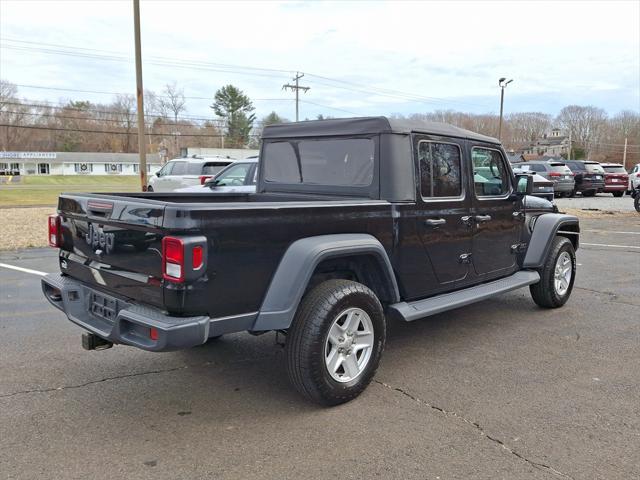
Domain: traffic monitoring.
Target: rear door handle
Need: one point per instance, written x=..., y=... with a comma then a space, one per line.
x=483, y=218
x=435, y=222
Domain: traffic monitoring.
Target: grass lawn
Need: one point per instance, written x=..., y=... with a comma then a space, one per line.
x=44, y=190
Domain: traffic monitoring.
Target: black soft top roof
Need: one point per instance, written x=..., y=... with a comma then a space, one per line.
x=368, y=125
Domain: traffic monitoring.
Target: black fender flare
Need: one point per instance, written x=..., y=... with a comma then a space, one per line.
x=547, y=226
x=292, y=276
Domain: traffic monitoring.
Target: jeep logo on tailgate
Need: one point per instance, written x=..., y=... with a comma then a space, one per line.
x=97, y=238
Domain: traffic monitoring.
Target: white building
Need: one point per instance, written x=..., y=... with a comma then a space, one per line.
x=74, y=163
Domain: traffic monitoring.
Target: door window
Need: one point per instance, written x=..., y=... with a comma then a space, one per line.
x=234, y=176
x=490, y=174
x=179, y=168
x=440, y=170
x=166, y=170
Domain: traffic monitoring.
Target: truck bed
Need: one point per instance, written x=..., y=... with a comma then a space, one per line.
x=247, y=234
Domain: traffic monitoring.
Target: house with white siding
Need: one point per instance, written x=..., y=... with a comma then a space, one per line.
x=75, y=163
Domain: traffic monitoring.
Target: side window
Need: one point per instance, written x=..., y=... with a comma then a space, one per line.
x=166, y=170
x=179, y=168
x=440, y=170
x=490, y=174
x=537, y=167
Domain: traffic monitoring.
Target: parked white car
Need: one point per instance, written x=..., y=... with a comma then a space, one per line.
x=239, y=177
x=634, y=178
x=186, y=172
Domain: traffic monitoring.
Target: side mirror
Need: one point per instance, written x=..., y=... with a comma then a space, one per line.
x=158, y=174
x=524, y=184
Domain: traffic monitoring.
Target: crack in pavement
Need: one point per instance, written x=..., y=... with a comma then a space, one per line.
x=127, y=375
x=540, y=466
x=613, y=297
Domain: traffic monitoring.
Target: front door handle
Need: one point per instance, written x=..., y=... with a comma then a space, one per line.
x=483, y=218
x=435, y=222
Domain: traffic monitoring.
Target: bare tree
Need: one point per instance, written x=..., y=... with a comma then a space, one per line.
x=586, y=124
x=173, y=102
x=526, y=127
x=124, y=109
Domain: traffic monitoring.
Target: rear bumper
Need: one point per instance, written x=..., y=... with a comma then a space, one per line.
x=564, y=187
x=130, y=324
x=615, y=187
x=590, y=185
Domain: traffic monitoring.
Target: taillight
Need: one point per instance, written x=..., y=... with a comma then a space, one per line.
x=204, y=178
x=555, y=174
x=54, y=231
x=172, y=259
x=197, y=257
x=183, y=258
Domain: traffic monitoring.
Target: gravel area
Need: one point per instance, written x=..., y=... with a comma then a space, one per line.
x=24, y=227
x=603, y=202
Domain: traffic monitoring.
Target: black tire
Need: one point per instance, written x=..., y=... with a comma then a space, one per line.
x=589, y=193
x=572, y=194
x=636, y=202
x=149, y=188
x=617, y=194
x=306, y=339
x=544, y=292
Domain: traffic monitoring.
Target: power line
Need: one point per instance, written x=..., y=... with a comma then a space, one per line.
x=81, y=130
x=40, y=87
x=236, y=69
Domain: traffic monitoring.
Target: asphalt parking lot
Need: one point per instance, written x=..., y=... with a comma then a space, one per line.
x=500, y=389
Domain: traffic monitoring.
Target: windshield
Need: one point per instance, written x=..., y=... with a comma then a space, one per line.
x=614, y=169
x=337, y=162
x=235, y=175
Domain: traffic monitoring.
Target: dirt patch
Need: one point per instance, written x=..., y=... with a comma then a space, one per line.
x=24, y=227
x=594, y=213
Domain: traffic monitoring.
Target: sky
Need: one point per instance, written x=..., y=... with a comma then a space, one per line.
x=359, y=58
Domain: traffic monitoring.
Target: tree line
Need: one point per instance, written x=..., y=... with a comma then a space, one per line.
x=80, y=125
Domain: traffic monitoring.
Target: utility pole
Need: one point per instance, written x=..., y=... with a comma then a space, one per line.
x=502, y=84
x=141, y=145
x=624, y=155
x=297, y=89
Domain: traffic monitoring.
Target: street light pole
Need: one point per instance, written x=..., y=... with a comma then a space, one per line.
x=141, y=146
x=502, y=84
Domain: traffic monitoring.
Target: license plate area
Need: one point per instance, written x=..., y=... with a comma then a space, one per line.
x=103, y=307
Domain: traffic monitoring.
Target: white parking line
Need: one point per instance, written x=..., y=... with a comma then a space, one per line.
x=20, y=269
x=606, y=245
x=612, y=231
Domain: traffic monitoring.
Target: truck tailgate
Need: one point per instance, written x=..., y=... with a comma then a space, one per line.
x=113, y=243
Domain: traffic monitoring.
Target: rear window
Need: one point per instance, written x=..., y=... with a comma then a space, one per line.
x=576, y=165
x=559, y=168
x=594, y=168
x=614, y=169
x=335, y=162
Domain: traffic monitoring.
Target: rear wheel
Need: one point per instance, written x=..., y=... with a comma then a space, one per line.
x=618, y=194
x=556, y=275
x=589, y=193
x=335, y=342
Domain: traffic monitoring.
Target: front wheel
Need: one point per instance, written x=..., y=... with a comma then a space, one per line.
x=636, y=202
x=149, y=188
x=556, y=275
x=335, y=342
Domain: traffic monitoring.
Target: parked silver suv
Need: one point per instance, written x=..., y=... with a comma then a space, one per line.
x=557, y=172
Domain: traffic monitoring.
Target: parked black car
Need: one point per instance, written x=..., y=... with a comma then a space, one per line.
x=354, y=221
x=542, y=187
x=589, y=176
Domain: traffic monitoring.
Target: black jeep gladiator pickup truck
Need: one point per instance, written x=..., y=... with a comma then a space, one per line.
x=354, y=221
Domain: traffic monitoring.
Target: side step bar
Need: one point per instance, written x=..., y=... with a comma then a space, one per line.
x=448, y=301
